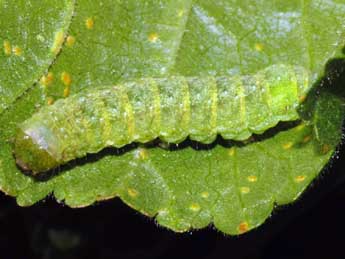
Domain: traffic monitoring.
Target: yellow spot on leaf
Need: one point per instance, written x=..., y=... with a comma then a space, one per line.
x=205, y=195
x=259, y=46
x=306, y=139
x=153, y=37
x=66, y=79
x=252, y=178
x=7, y=47
x=243, y=227
x=47, y=79
x=245, y=190
x=302, y=98
x=325, y=148
x=58, y=40
x=132, y=192
x=287, y=145
x=50, y=100
x=195, y=207
x=17, y=51
x=66, y=91
x=142, y=153
x=232, y=151
x=70, y=41
x=300, y=178
x=89, y=23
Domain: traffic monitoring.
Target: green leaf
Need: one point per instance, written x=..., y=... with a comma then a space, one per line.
x=232, y=185
x=31, y=35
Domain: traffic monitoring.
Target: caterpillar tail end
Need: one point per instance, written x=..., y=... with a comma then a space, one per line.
x=30, y=155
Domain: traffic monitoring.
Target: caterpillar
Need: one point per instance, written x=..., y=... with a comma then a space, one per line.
x=171, y=109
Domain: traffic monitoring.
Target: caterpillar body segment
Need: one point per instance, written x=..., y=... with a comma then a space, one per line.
x=171, y=108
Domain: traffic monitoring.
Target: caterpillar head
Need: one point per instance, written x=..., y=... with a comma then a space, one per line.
x=34, y=148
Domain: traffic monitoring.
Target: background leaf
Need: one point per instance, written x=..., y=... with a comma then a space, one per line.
x=233, y=185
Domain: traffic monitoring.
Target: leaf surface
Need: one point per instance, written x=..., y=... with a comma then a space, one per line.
x=31, y=35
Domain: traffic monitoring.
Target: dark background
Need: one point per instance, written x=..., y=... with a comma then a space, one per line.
x=312, y=227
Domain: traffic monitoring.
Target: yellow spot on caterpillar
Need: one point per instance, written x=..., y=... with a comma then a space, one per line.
x=66, y=91
x=47, y=79
x=232, y=151
x=17, y=51
x=252, y=178
x=66, y=79
x=153, y=37
x=7, y=47
x=243, y=227
x=245, y=190
x=205, y=195
x=132, y=192
x=287, y=145
x=300, y=178
x=194, y=207
x=180, y=13
x=259, y=46
x=142, y=153
x=50, y=100
x=306, y=139
x=89, y=23
x=70, y=41
x=58, y=40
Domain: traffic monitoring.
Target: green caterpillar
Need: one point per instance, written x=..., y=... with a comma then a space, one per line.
x=170, y=108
